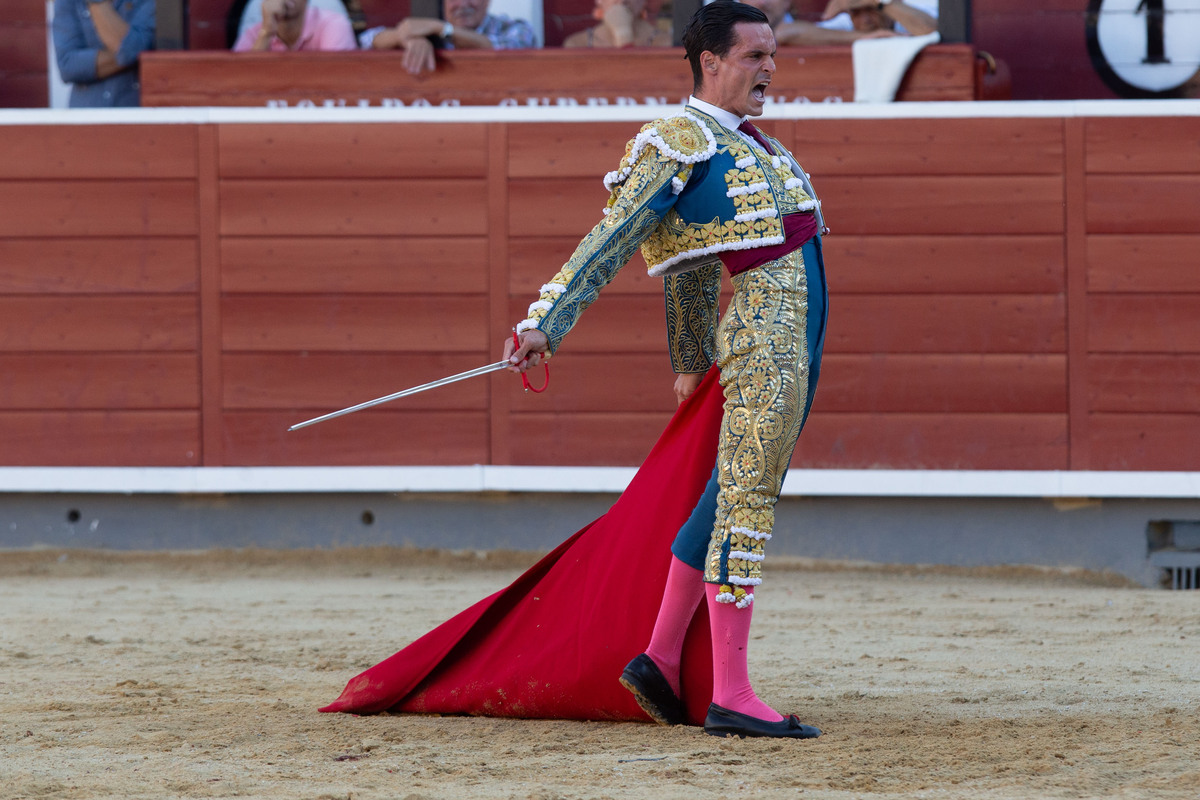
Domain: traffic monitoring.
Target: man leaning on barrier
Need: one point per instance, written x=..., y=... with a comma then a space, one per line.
x=467, y=26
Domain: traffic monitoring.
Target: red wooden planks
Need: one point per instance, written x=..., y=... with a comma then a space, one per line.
x=1143, y=204
x=99, y=381
x=1145, y=441
x=555, y=206
x=97, y=324
x=98, y=208
x=320, y=382
x=355, y=323
x=353, y=207
x=615, y=439
x=100, y=438
x=117, y=152
x=1144, y=323
x=373, y=437
x=367, y=150
x=567, y=150
x=1137, y=145
x=984, y=205
x=1143, y=263
x=946, y=324
x=922, y=147
x=350, y=264
x=97, y=265
x=945, y=264
x=1166, y=384
x=933, y=441
x=952, y=384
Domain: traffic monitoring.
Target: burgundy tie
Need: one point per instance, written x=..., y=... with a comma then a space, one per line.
x=755, y=134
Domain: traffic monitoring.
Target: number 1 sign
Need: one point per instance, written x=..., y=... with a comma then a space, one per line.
x=1145, y=48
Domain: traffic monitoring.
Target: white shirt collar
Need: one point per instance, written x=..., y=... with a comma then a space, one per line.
x=726, y=118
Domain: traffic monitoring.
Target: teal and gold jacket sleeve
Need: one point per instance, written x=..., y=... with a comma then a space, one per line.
x=635, y=209
x=643, y=190
x=693, y=307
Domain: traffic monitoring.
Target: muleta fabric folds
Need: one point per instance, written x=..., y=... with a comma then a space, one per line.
x=553, y=643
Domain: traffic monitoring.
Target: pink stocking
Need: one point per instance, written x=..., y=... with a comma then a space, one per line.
x=730, y=628
x=685, y=587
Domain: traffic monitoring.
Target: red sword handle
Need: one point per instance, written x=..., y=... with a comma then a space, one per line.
x=525, y=378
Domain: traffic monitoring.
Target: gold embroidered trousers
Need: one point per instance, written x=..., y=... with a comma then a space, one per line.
x=763, y=355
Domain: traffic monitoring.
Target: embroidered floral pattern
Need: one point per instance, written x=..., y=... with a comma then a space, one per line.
x=693, y=305
x=763, y=356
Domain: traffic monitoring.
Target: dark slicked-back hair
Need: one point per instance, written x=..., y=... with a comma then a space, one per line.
x=711, y=28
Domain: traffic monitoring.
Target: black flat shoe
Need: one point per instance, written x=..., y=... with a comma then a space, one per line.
x=723, y=722
x=645, y=680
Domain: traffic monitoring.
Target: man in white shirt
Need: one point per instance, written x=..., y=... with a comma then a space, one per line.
x=846, y=21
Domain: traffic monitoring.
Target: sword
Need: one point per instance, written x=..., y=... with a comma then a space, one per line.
x=462, y=376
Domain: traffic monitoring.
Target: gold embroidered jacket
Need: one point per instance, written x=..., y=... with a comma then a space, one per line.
x=686, y=190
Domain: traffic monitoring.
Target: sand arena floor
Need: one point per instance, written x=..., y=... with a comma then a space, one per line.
x=199, y=675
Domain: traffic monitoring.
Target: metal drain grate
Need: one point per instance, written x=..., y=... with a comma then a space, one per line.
x=1181, y=568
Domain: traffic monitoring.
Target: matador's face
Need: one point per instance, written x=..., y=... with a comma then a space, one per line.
x=737, y=81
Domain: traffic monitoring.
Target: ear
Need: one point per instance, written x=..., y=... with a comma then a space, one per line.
x=708, y=61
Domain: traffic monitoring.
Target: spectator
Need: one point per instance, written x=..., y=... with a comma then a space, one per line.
x=846, y=21
x=623, y=23
x=292, y=25
x=97, y=44
x=778, y=11
x=467, y=26
x=245, y=13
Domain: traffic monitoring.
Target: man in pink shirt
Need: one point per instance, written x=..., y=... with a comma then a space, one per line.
x=289, y=25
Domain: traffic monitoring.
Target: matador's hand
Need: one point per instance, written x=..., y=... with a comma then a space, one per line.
x=685, y=384
x=534, y=350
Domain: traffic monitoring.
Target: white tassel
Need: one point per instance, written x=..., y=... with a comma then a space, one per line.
x=750, y=216
x=737, y=191
x=753, y=534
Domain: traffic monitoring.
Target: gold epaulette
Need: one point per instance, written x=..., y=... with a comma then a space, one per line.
x=683, y=138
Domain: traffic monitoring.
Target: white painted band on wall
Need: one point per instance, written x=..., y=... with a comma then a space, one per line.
x=604, y=480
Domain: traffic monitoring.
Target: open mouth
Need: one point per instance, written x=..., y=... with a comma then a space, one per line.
x=759, y=92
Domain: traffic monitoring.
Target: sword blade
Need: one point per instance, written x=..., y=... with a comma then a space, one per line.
x=462, y=376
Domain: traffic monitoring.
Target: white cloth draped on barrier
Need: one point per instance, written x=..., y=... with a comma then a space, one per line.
x=880, y=64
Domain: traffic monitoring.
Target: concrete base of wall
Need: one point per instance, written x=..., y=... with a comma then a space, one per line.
x=1113, y=535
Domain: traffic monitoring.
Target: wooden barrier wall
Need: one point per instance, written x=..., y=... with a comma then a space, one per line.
x=1007, y=293
x=525, y=77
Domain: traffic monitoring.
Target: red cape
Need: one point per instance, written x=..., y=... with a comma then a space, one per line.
x=553, y=643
